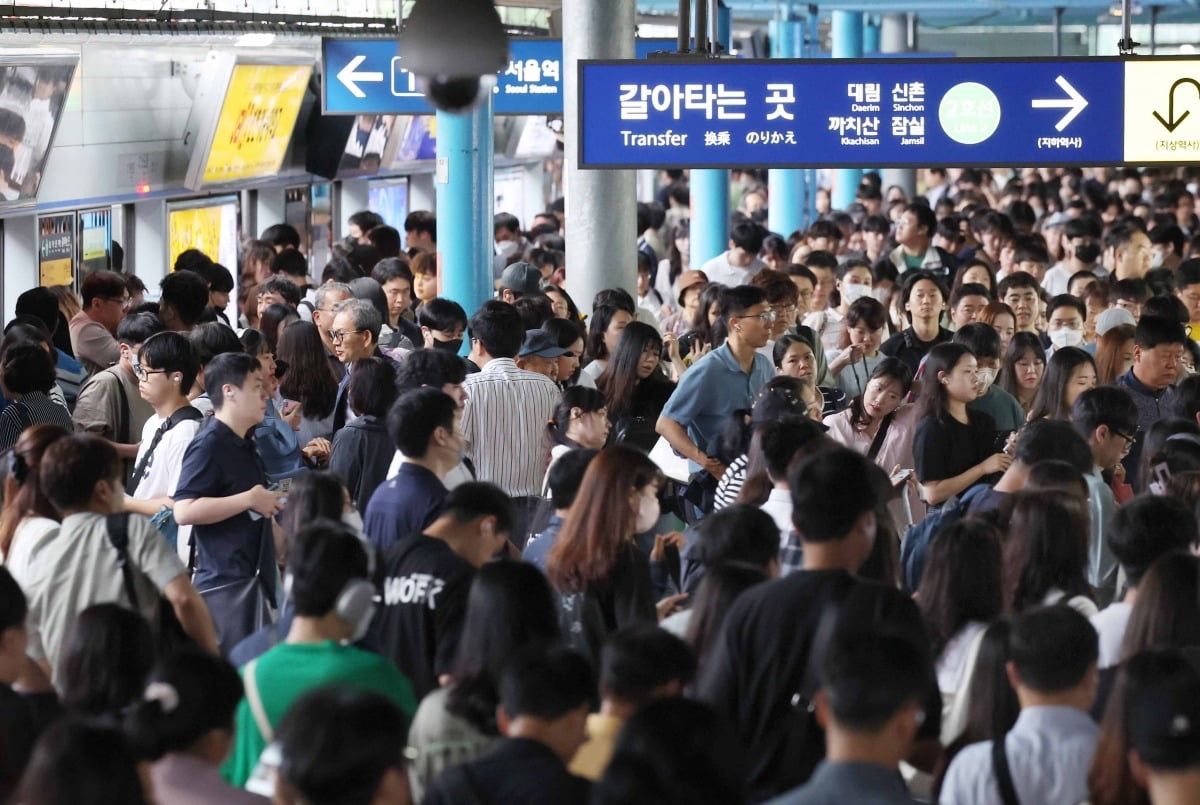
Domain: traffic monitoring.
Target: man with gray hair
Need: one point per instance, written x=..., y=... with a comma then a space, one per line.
x=325, y=298
x=354, y=334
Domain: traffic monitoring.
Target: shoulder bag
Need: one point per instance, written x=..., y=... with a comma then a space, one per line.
x=242, y=607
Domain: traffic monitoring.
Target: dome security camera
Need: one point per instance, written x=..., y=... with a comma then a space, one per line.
x=456, y=49
x=457, y=93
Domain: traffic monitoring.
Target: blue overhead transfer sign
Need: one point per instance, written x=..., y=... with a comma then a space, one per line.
x=811, y=113
x=367, y=77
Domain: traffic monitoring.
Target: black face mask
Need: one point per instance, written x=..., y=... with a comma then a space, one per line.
x=1087, y=252
x=452, y=346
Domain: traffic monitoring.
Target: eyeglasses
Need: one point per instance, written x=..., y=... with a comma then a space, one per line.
x=142, y=373
x=766, y=317
x=123, y=301
x=336, y=336
x=1129, y=440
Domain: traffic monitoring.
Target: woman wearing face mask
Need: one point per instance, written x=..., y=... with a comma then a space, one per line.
x=953, y=445
x=794, y=357
x=861, y=336
x=854, y=280
x=595, y=566
x=879, y=425
x=1024, y=365
x=1070, y=372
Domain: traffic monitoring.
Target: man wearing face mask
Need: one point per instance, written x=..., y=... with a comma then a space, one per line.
x=1081, y=251
x=443, y=322
x=994, y=401
x=510, y=244
x=1065, y=317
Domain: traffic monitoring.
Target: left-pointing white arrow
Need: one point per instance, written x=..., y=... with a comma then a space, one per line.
x=1076, y=103
x=349, y=78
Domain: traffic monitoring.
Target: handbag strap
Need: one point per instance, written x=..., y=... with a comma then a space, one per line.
x=1004, y=780
x=117, y=528
x=255, y=701
x=880, y=435
x=184, y=414
x=126, y=417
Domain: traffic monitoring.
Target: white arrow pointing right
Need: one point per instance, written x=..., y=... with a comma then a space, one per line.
x=349, y=78
x=1076, y=103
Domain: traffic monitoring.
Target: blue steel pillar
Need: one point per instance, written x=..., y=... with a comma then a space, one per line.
x=786, y=186
x=464, y=205
x=710, y=192
x=871, y=35
x=847, y=31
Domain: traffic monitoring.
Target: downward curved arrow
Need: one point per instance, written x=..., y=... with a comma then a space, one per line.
x=1171, y=122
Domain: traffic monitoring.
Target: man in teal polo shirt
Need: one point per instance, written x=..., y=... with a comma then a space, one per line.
x=722, y=381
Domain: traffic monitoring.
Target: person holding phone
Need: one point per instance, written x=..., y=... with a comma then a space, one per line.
x=880, y=426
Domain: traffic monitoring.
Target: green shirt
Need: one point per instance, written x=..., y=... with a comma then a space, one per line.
x=290, y=670
x=1002, y=407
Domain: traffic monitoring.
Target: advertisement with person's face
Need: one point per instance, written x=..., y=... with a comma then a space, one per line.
x=31, y=102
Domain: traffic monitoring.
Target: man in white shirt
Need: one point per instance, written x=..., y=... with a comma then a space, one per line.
x=1141, y=531
x=506, y=411
x=166, y=369
x=737, y=265
x=1046, y=755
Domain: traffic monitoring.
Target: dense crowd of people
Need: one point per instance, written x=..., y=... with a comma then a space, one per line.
x=901, y=507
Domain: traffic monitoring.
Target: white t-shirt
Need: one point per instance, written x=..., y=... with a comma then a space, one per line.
x=952, y=665
x=718, y=269
x=30, y=536
x=779, y=506
x=1110, y=624
x=162, y=472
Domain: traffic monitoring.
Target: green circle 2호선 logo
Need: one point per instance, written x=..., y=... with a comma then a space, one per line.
x=969, y=113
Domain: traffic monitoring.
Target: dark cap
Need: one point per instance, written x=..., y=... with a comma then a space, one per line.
x=521, y=278
x=541, y=343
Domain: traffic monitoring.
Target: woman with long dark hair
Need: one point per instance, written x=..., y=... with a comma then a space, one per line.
x=960, y=594
x=276, y=439
x=676, y=262
x=274, y=320
x=1023, y=367
x=595, y=566
x=635, y=387
x=1045, y=555
x=28, y=520
x=1069, y=373
x=1114, y=353
x=954, y=446
x=706, y=331
x=509, y=606
x=362, y=451
x=604, y=331
x=880, y=426
x=308, y=380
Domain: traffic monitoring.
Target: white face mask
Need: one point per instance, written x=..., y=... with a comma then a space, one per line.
x=986, y=378
x=507, y=248
x=1066, y=337
x=647, y=515
x=1157, y=260
x=852, y=293
x=881, y=294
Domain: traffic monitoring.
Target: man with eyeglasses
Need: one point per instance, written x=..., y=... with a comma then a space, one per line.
x=325, y=299
x=354, y=334
x=109, y=405
x=724, y=380
x=1158, y=345
x=1107, y=417
x=94, y=327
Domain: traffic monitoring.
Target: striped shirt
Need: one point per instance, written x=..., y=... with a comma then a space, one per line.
x=504, y=422
x=34, y=408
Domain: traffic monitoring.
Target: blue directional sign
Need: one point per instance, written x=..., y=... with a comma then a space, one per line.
x=822, y=113
x=367, y=77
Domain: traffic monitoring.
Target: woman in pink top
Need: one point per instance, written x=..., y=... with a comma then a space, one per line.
x=878, y=425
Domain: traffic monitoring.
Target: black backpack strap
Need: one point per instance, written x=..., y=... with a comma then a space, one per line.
x=1004, y=780
x=880, y=435
x=117, y=526
x=185, y=413
x=123, y=434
